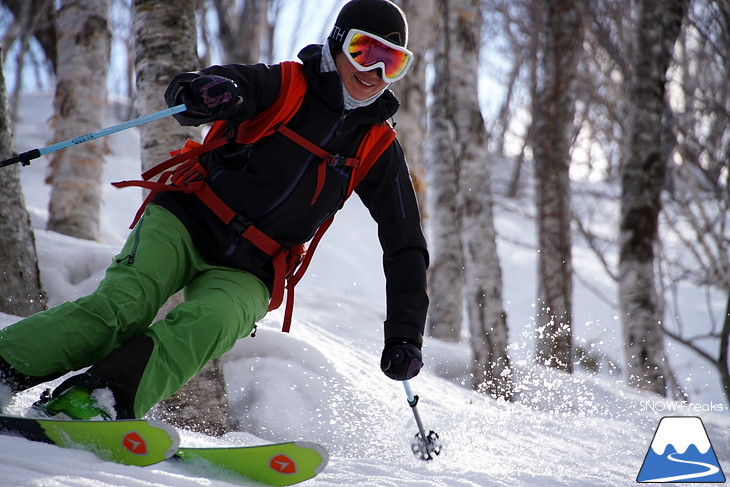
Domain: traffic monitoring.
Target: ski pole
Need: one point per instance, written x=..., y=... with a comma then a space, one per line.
x=26, y=157
x=424, y=444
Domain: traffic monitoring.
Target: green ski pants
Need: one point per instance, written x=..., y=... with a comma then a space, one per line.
x=221, y=305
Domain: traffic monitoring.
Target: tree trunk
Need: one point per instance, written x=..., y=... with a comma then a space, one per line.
x=723, y=358
x=553, y=126
x=42, y=28
x=411, y=92
x=642, y=178
x=488, y=334
x=241, y=32
x=20, y=284
x=446, y=272
x=84, y=41
x=202, y=405
x=165, y=45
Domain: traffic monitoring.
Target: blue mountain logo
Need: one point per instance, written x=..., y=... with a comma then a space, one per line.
x=680, y=452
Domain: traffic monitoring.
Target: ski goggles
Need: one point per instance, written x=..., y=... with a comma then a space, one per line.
x=367, y=51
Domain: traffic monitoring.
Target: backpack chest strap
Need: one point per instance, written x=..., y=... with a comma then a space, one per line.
x=237, y=223
x=328, y=159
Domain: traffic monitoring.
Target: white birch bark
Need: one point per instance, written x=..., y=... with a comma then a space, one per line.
x=488, y=334
x=553, y=126
x=465, y=270
x=642, y=178
x=165, y=44
x=446, y=272
x=20, y=285
x=79, y=105
x=411, y=92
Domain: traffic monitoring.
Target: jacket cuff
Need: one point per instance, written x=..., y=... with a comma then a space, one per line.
x=403, y=332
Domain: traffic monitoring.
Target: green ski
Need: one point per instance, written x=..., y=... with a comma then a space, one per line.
x=277, y=464
x=147, y=442
x=130, y=442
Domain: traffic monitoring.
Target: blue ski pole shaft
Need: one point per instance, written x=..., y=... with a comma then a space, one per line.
x=26, y=157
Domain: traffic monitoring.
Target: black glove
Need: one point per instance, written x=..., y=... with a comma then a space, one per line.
x=210, y=96
x=401, y=360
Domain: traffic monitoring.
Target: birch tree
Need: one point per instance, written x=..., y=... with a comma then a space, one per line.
x=464, y=182
x=513, y=25
x=411, y=92
x=553, y=130
x=242, y=26
x=41, y=25
x=33, y=20
x=446, y=277
x=488, y=334
x=20, y=284
x=165, y=44
x=642, y=179
x=79, y=107
x=694, y=222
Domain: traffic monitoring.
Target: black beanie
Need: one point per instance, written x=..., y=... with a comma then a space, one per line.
x=379, y=17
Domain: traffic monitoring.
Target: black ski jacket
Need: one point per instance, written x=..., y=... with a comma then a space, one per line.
x=272, y=183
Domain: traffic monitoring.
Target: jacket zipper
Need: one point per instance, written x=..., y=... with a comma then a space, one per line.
x=335, y=130
x=401, y=202
x=338, y=125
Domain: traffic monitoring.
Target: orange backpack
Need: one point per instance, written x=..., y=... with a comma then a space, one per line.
x=183, y=172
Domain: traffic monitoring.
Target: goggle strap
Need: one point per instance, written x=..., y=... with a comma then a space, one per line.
x=338, y=34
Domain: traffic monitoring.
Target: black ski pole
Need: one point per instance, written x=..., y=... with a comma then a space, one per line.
x=423, y=445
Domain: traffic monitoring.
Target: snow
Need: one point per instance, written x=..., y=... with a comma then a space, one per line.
x=322, y=382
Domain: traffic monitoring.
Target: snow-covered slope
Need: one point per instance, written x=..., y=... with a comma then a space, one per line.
x=322, y=382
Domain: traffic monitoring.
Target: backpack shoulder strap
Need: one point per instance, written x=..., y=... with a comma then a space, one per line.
x=373, y=145
x=291, y=94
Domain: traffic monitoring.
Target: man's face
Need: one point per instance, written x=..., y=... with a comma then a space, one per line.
x=360, y=84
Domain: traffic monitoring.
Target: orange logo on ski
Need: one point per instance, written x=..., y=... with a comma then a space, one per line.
x=283, y=464
x=133, y=442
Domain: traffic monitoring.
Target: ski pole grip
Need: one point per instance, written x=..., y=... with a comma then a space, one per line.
x=23, y=158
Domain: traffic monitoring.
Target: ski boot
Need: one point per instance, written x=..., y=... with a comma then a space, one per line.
x=77, y=403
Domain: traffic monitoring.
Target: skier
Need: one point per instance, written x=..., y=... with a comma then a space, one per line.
x=180, y=243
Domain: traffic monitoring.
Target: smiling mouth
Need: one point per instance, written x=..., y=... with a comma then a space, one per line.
x=364, y=83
